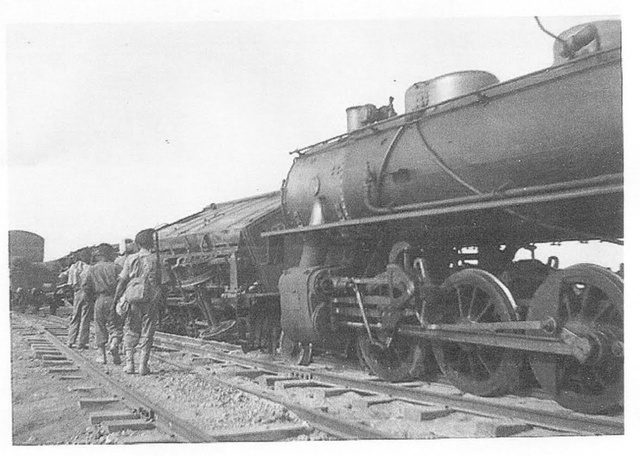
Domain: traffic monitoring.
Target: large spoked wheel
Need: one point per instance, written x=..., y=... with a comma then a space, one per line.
x=588, y=301
x=478, y=296
x=403, y=360
x=295, y=352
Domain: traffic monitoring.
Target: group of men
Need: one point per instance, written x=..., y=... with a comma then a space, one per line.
x=98, y=287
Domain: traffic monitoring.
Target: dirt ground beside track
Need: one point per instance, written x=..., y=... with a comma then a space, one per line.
x=42, y=412
x=45, y=412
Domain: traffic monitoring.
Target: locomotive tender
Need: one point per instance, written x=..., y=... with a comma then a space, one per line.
x=409, y=225
x=223, y=284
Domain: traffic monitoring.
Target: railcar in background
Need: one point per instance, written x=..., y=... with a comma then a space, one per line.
x=32, y=282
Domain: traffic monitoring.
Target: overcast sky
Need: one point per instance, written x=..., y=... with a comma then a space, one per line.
x=120, y=126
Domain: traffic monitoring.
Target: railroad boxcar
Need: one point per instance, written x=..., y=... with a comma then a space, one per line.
x=410, y=225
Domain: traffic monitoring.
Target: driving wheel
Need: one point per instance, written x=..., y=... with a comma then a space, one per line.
x=475, y=296
x=586, y=300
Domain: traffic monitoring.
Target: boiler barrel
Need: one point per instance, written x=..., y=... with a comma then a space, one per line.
x=552, y=126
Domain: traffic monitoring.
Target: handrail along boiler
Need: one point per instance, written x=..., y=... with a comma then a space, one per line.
x=409, y=225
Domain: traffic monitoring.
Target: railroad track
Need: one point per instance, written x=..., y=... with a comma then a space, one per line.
x=507, y=414
x=312, y=392
x=118, y=407
x=316, y=418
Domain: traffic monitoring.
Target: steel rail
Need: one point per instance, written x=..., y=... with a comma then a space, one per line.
x=561, y=419
x=164, y=419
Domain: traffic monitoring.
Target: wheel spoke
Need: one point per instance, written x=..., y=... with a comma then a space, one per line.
x=473, y=369
x=459, y=294
x=588, y=295
x=473, y=300
x=605, y=306
x=487, y=306
x=566, y=302
x=484, y=362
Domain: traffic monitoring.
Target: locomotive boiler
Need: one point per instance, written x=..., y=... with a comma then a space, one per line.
x=409, y=226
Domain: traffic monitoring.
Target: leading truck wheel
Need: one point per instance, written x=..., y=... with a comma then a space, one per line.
x=587, y=300
x=478, y=296
x=402, y=360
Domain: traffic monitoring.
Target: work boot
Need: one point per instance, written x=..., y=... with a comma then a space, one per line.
x=102, y=355
x=130, y=366
x=114, y=350
x=144, y=361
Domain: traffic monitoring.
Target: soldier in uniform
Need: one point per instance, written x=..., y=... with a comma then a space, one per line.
x=81, y=316
x=127, y=247
x=141, y=318
x=99, y=286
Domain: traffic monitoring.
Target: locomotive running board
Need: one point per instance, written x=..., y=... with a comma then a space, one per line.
x=604, y=185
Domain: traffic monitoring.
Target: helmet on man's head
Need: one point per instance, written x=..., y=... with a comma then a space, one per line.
x=83, y=255
x=145, y=238
x=105, y=251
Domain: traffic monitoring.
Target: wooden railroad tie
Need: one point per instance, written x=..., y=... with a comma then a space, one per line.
x=133, y=425
x=291, y=383
x=82, y=388
x=93, y=401
x=42, y=354
x=264, y=433
x=63, y=370
x=425, y=412
x=270, y=380
x=323, y=393
x=55, y=363
x=364, y=402
x=71, y=377
x=118, y=415
x=502, y=428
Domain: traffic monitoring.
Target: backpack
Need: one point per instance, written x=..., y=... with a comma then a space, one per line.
x=139, y=289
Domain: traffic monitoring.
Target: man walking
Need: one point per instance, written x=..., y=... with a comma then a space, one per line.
x=141, y=318
x=99, y=286
x=81, y=316
x=127, y=247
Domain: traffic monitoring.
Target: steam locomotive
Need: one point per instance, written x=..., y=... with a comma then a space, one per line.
x=408, y=225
